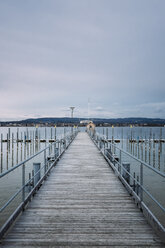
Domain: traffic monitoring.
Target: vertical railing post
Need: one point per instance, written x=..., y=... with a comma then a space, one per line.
x=141, y=181
x=37, y=172
x=23, y=182
x=126, y=171
x=137, y=185
x=45, y=162
x=107, y=137
x=54, y=150
x=29, y=188
x=134, y=184
x=60, y=146
x=55, y=133
x=104, y=145
x=119, y=167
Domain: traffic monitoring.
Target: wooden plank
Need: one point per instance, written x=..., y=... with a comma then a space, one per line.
x=82, y=204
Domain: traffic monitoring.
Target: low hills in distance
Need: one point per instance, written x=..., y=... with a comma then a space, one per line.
x=63, y=121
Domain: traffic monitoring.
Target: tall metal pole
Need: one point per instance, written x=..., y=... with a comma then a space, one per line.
x=72, y=109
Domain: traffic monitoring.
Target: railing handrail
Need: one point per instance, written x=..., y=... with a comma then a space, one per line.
x=137, y=188
x=24, y=201
x=137, y=159
x=26, y=160
x=144, y=189
x=23, y=162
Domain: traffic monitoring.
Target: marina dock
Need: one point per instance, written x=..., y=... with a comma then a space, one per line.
x=82, y=204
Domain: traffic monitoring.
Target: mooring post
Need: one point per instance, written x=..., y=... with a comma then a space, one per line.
x=17, y=134
x=55, y=132
x=145, y=149
x=64, y=132
x=12, y=139
x=153, y=150
x=24, y=151
x=1, y=143
x=55, y=150
x=64, y=145
x=37, y=172
x=21, y=151
x=9, y=134
x=7, y=153
x=27, y=133
x=131, y=139
x=122, y=137
x=1, y=152
x=45, y=133
x=13, y=148
x=17, y=153
x=106, y=137
x=51, y=133
x=7, y=137
x=112, y=137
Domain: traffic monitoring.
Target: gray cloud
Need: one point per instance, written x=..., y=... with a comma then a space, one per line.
x=54, y=54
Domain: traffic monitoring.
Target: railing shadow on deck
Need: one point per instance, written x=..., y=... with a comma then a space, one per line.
x=116, y=158
x=31, y=182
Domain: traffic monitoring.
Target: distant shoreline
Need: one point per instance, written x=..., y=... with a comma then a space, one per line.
x=66, y=121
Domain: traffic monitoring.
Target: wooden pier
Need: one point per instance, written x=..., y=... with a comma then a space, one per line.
x=82, y=204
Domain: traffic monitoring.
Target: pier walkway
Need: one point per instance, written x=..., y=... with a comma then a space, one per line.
x=81, y=204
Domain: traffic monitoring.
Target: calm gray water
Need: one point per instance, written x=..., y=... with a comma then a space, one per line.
x=148, y=151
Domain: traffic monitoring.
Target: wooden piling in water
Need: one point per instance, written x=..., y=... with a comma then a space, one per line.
x=51, y=133
x=45, y=134
x=8, y=135
x=131, y=140
x=55, y=133
x=122, y=138
x=145, y=147
x=17, y=151
x=21, y=147
x=13, y=149
x=153, y=150
x=17, y=135
x=1, y=152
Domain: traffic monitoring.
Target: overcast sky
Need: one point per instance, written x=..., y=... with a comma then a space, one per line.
x=108, y=54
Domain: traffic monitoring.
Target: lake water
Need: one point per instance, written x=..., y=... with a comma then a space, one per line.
x=149, y=151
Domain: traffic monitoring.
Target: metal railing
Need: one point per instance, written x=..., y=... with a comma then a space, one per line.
x=31, y=182
x=133, y=172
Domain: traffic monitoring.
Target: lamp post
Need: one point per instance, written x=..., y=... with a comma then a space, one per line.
x=72, y=109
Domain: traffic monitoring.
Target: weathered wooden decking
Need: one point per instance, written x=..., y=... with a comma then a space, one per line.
x=82, y=204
